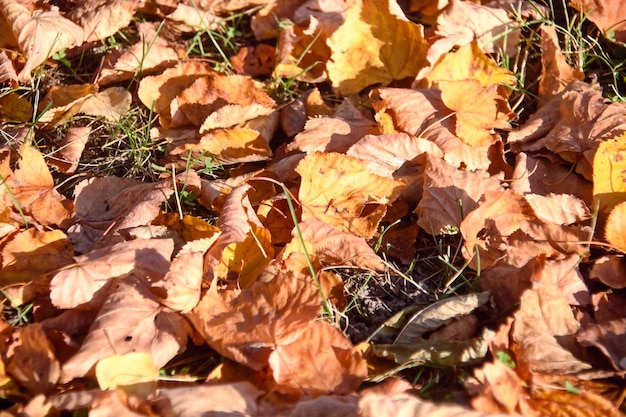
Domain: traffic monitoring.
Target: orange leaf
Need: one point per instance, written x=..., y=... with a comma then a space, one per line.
x=321, y=360
x=32, y=255
x=33, y=187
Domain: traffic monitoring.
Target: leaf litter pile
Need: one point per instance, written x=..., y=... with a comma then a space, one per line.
x=311, y=208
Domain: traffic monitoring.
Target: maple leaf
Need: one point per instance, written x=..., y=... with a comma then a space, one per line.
x=339, y=191
x=39, y=33
x=374, y=45
x=33, y=187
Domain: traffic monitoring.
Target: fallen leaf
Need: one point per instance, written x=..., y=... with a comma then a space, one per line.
x=609, y=181
x=610, y=270
x=128, y=369
x=543, y=334
x=70, y=149
x=15, y=108
x=79, y=283
x=334, y=133
x=582, y=116
x=104, y=18
x=254, y=61
x=33, y=188
x=556, y=73
x=332, y=247
x=374, y=45
x=131, y=320
x=32, y=255
x=490, y=27
x=608, y=15
x=39, y=33
x=339, y=191
x=34, y=363
x=606, y=329
x=247, y=327
x=321, y=360
x=105, y=206
x=237, y=398
x=449, y=194
x=466, y=63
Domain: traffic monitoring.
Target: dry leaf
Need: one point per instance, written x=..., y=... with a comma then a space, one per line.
x=608, y=15
x=375, y=44
x=32, y=255
x=556, y=73
x=78, y=284
x=338, y=190
x=39, y=33
x=33, y=188
x=131, y=320
x=449, y=194
x=70, y=149
x=128, y=369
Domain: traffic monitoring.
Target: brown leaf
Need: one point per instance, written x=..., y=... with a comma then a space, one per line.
x=339, y=191
x=449, y=194
x=489, y=26
x=39, y=33
x=422, y=113
x=70, y=149
x=227, y=399
x=103, y=18
x=608, y=15
x=610, y=270
x=182, y=282
x=108, y=205
x=254, y=61
x=34, y=363
x=334, y=133
x=31, y=255
x=556, y=73
x=571, y=125
x=131, y=320
x=78, y=284
x=543, y=333
x=332, y=247
x=607, y=329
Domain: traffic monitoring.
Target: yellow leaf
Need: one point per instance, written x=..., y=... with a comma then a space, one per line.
x=609, y=173
x=467, y=63
x=615, y=230
x=375, y=44
x=123, y=370
x=340, y=191
x=477, y=111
